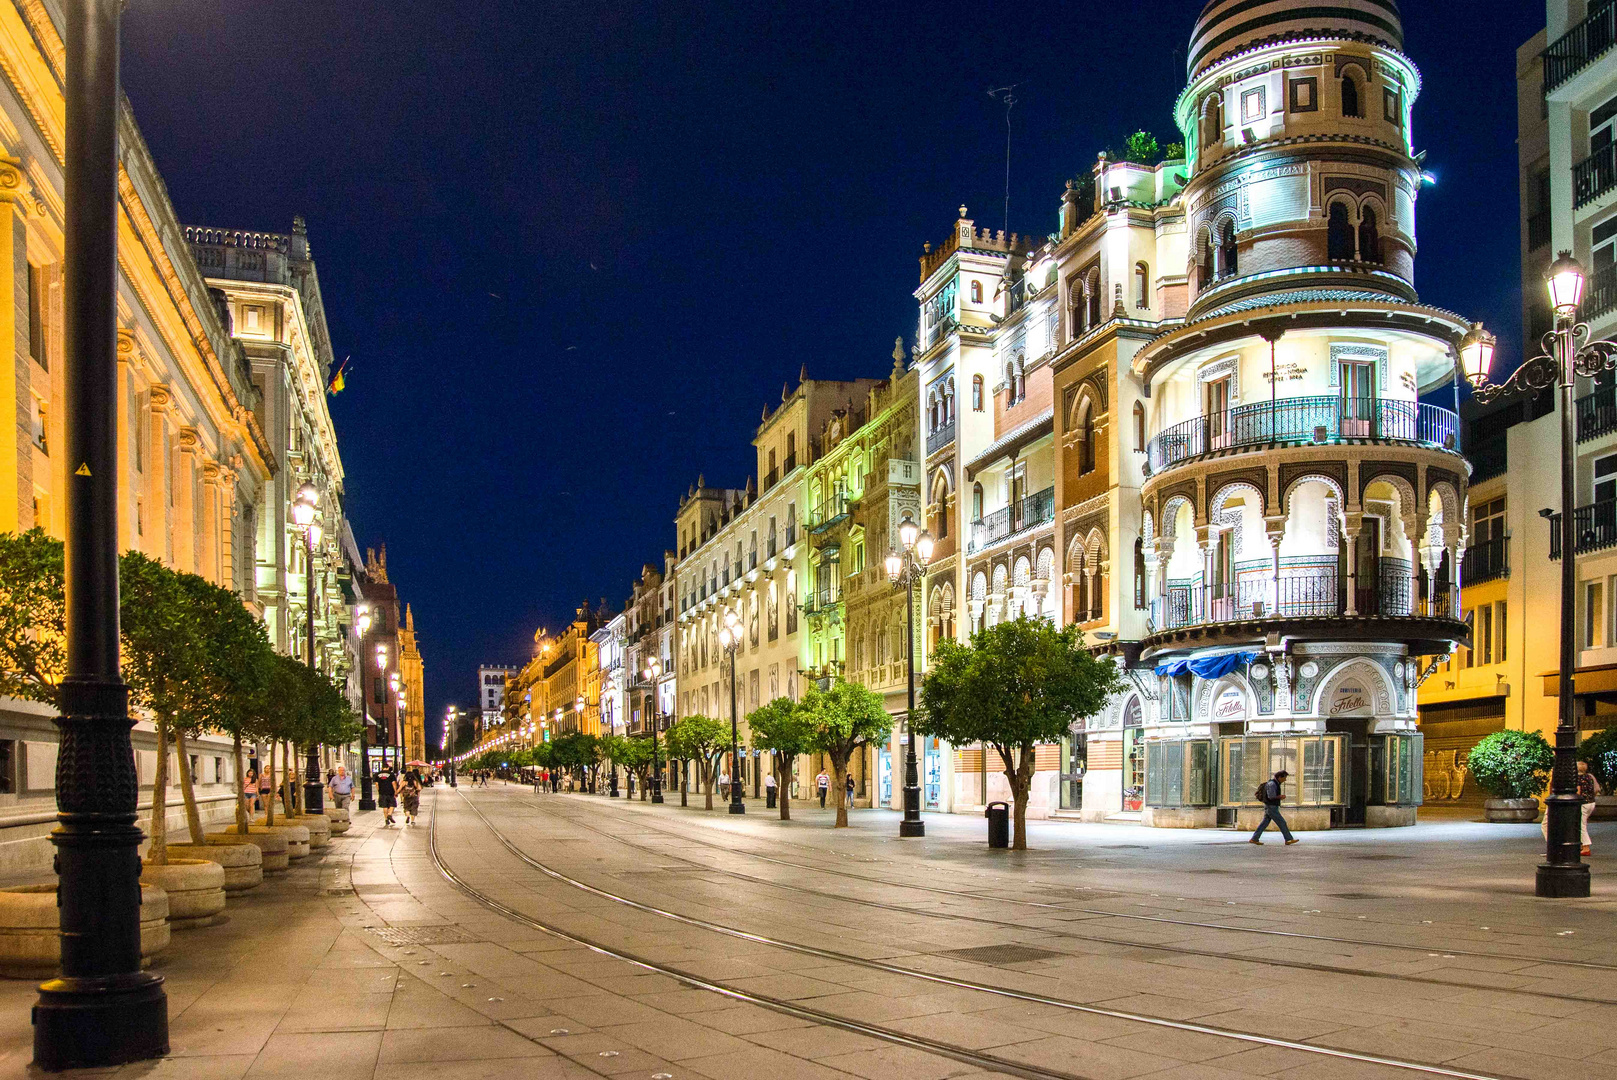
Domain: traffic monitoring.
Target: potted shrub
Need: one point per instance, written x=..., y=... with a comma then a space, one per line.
x=1600, y=751
x=1513, y=767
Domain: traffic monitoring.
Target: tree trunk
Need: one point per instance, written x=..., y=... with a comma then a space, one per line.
x=268, y=763
x=839, y=773
x=157, y=854
x=1021, y=781
x=684, y=784
x=243, y=819
x=783, y=785
x=188, y=794
x=707, y=778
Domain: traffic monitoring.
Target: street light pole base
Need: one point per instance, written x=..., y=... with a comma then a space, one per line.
x=1562, y=880
x=93, y=1023
x=911, y=828
x=367, y=804
x=738, y=808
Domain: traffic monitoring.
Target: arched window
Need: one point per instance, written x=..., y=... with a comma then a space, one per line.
x=1338, y=233
x=1204, y=259
x=948, y=401
x=1139, y=573
x=932, y=411
x=1085, y=430
x=1075, y=301
x=1021, y=381
x=1011, y=383
x=1228, y=260
x=976, y=292
x=1369, y=237
x=1092, y=291
x=976, y=502
x=1139, y=426
x=1350, y=97
x=1142, y=285
x=976, y=393
x=1212, y=123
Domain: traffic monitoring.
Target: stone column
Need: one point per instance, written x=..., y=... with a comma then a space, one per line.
x=16, y=452
x=1274, y=527
x=1352, y=525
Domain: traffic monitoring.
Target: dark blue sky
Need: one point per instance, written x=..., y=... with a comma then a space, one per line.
x=575, y=248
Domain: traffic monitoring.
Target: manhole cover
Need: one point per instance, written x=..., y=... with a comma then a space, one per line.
x=423, y=935
x=1378, y=858
x=1210, y=870
x=381, y=890
x=1127, y=847
x=1357, y=896
x=1001, y=954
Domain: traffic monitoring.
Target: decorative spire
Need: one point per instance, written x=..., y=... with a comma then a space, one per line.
x=409, y=619
x=898, y=358
x=802, y=374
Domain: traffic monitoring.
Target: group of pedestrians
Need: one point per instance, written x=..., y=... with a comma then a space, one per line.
x=822, y=784
x=391, y=789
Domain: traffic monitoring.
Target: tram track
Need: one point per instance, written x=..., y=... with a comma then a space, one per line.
x=1071, y=935
x=958, y=1053
x=1447, y=952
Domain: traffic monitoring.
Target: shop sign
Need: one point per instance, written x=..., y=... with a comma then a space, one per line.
x=1230, y=705
x=1351, y=698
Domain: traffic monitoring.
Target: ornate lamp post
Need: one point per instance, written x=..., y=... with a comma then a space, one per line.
x=1566, y=357
x=450, y=731
x=103, y=1010
x=381, y=672
x=367, y=798
x=306, y=513
x=654, y=670
x=906, y=569
x=730, y=642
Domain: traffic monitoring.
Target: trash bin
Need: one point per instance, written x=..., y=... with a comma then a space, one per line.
x=999, y=824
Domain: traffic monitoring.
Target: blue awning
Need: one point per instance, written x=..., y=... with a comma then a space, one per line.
x=1208, y=667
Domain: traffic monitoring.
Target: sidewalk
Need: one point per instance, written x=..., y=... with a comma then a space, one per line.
x=337, y=969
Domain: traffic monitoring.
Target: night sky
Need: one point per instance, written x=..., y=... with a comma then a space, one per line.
x=574, y=249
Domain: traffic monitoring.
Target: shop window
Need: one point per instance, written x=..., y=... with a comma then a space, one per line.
x=8, y=767
x=1397, y=769
x=1179, y=772
x=1317, y=765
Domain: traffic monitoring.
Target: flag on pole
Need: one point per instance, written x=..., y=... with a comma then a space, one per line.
x=340, y=379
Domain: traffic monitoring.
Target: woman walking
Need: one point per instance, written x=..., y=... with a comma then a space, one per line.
x=412, y=799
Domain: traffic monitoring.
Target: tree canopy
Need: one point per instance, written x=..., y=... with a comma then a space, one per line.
x=782, y=727
x=841, y=720
x=696, y=738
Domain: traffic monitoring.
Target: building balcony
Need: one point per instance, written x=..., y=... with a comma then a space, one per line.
x=940, y=437
x=1594, y=176
x=1600, y=296
x=829, y=512
x=1303, y=420
x=1596, y=412
x=1595, y=527
x=1488, y=560
x=1302, y=593
x=1031, y=512
x=1581, y=46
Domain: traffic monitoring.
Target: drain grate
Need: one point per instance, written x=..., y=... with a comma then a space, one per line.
x=1001, y=954
x=1358, y=896
x=423, y=935
x=1379, y=857
x=1126, y=847
x=381, y=890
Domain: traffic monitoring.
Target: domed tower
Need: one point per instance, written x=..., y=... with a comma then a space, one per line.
x=1303, y=506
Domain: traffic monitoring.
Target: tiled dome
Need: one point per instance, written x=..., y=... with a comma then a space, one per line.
x=1228, y=26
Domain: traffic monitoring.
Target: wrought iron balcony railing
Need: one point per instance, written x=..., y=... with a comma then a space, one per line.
x=1486, y=560
x=1594, y=525
x=1596, y=412
x=1320, y=419
x=1034, y=510
x=1581, y=46
x=1312, y=592
x=1594, y=175
x=940, y=437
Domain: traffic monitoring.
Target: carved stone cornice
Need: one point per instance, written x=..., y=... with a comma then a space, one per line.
x=161, y=397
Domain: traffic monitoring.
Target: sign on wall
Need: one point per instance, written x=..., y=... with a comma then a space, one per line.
x=1230, y=705
x=1350, y=698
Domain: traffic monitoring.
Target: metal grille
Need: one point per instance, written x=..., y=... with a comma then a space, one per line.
x=1001, y=954
x=423, y=935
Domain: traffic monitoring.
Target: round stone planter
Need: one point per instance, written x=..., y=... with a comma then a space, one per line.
x=1605, y=808
x=243, y=862
x=339, y=819
x=316, y=825
x=1510, y=810
x=30, y=930
x=274, y=843
x=195, y=887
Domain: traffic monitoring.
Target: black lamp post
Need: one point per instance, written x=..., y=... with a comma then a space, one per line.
x=906, y=569
x=367, y=798
x=103, y=1009
x=305, y=511
x=1566, y=358
x=654, y=670
x=730, y=642
x=450, y=730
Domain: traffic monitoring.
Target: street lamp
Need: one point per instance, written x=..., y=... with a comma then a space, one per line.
x=381, y=669
x=305, y=513
x=103, y=1009
x=367, y=799
x=906, y=569
x=450, y=730
x=654, y=670
x=730, y=642
x=1565, y=359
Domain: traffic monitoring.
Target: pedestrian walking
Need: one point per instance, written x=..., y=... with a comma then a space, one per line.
x=264, y=792
x=249, y=790
x=724, y=786
x=342, y=787
x=412, y=799
x=769, y=790
x=848, y=788
x=386, y=794
x=1270, y=794
x=822, y=784
x=1588, y=788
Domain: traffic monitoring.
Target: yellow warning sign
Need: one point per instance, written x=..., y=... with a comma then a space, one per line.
x=82, y=470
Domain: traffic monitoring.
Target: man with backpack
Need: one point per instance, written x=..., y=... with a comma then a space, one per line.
x=1270, y=794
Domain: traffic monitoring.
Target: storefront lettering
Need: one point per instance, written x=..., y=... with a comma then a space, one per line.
x=1231, y=705
x=1349, y=698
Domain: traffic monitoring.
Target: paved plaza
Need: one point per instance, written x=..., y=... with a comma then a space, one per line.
x=800, y=952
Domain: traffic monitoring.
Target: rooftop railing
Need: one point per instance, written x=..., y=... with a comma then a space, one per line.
x=1322, y=419
x=1580, y=46
x=1595, y=527
x=1310, y=592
